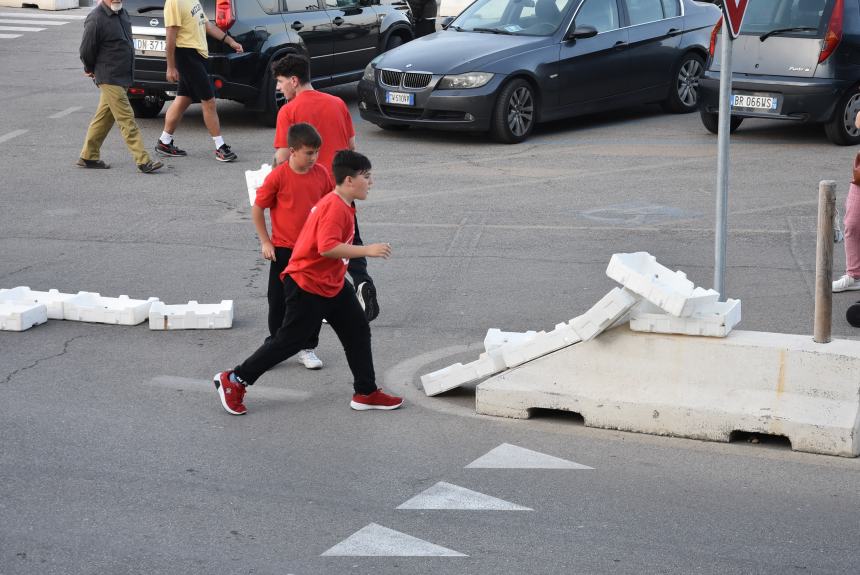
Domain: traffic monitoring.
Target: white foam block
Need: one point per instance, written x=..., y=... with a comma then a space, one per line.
x=52, y=299
x=94, y=308
x=192, y=315
x=543, y=343
x=15, y=316
x=496, y=338
x=459, y=374
x=602, y=315
x=672, y=291
x=255, y=179
x=41, y=4
x=715, y=320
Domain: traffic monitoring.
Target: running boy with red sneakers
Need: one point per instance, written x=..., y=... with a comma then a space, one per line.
x=315, y=289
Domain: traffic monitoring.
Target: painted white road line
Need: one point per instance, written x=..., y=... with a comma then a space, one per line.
x=206, y=386
x=33, y=22
x=42, y=16
x=10, y=135
x=19, y=29
x=10, y=35
x=507, y=456
x=449, y=496
x=378, y=541
x=65, y=112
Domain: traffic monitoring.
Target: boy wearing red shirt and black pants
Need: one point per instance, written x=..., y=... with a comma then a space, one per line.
x=316, y=289
x=330, y=116
x=289, y=192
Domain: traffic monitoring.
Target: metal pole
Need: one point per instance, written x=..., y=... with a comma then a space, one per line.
x=824, y=261
x=723, y=161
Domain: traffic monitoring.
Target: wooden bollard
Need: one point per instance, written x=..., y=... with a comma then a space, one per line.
x=824, y=262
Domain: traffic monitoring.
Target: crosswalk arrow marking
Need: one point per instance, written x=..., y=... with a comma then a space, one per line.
x=378, y=541
x=448, y=496
x=507, y=456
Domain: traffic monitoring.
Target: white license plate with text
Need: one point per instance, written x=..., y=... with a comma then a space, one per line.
x=402, y=98
x=150, y=46
x=754, y=102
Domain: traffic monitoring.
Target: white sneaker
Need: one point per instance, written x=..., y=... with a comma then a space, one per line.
x=846, y=283
x=310, y=359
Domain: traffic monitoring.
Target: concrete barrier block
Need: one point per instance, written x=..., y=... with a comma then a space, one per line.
x=714, y=320
x=52, y=299
x=672, y=291
x=20, y=316
x=602, y=315
x=254, y=179
x=95, y=308
x=496, y=338
x=696, y=387
x=192, y=315
x=543, y=343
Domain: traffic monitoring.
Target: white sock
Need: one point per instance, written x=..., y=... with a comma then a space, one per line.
x=219, y=141
x=166, y=138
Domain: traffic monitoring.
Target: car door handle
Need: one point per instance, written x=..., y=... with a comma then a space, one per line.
x=673, y=32
x=338, y=21
x=620, y=45
x=297, y=26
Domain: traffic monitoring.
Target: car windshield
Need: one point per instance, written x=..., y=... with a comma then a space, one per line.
x=786, y=17
x=513, y=17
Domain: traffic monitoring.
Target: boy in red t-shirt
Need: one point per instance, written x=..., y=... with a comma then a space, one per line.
x=289, y=192
x=315, y=289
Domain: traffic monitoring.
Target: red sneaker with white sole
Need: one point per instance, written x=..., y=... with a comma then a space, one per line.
x=376, y=400
x=231, y=393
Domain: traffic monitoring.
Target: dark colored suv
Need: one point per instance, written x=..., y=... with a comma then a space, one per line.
x=339, y=36
x=793, y=60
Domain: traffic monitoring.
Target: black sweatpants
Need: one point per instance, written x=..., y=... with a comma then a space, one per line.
x=304, y=315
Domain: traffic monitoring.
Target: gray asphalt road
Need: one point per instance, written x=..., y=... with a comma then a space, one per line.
x=117, y=457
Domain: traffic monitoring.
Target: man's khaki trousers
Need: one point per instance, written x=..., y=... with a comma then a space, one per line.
x=114, y=107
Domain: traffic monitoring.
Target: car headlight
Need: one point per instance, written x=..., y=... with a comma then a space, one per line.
x=368, y=70
x=461, y=81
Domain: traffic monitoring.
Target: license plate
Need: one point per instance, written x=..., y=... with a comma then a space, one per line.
x=150, y=46
x=755, y=102
x=402, y=98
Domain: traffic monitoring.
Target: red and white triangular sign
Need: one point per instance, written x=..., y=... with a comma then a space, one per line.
x=734, y=15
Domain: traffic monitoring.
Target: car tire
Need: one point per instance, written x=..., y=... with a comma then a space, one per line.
x=515, y=113
x=841, y=130
x=148, y=107
x=711, y=121
x=684, y=92
x=393, y=42
x=272, y=102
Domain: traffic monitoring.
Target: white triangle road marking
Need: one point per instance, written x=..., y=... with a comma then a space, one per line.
x=20, y=29
x=507, y=456
x=377, y=541
x=42, y=16
x=31, y=22
x=10, y=35
x=448, y=496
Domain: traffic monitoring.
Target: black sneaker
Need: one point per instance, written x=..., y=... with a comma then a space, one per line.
x=149, y=167
x=366, y=293
x=169, y=150
x=92, y=164
x=225, y=154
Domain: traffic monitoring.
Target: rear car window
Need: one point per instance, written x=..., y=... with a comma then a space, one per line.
x=762, y=16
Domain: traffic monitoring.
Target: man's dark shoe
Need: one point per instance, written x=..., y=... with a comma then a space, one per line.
x=169, y=150
x=92, y=164
x=225, y=154
x=366, y=293
x=149, y=167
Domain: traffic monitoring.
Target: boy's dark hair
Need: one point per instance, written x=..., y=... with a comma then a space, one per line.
x=348, y=163
x=293, y=65
x=301, y=135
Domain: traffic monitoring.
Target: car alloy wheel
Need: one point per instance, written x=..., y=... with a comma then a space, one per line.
x=841, y=130
x=684, y=97
x=514, y=116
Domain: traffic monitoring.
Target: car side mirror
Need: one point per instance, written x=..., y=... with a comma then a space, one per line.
x=580, y=32
x=447, y=21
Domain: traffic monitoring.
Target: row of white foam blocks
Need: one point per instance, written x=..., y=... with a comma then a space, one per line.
x=21, y=308
x=653, y=299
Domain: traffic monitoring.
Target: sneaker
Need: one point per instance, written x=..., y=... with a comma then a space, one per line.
x=366, y=293
x=376, y=400
x=92, y=164
x=169, y=150
x=149, y=167
x=225, y=154
x=231, y=394
x=310, y=359
x=846, y=283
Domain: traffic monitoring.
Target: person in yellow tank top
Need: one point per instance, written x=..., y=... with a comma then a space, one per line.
x=187, y=53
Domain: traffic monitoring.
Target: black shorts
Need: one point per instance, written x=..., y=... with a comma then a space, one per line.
x=194, y=81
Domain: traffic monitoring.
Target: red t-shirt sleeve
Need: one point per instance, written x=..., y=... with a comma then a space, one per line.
x=282, y=126
x=332, y=230
x=267, y=193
